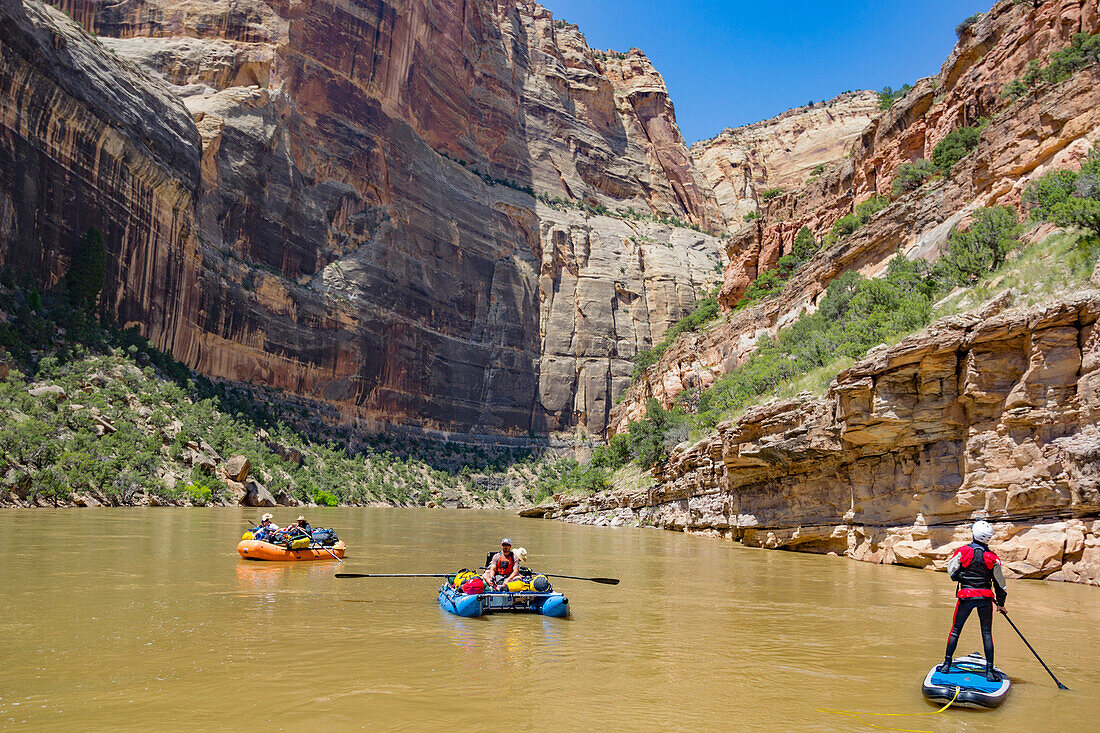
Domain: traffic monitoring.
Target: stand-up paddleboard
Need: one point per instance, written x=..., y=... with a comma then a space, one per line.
x=967, y=678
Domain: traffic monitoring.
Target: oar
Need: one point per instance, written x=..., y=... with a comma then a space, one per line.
x=332, y=553
x=605, y=581
x=394, y=575
x=1060, y=685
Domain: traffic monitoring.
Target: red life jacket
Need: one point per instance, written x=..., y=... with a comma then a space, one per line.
x=503, y=564
x=975, y=575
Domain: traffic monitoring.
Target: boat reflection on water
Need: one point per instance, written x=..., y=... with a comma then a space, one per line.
x=273, y=576
x=503, y=641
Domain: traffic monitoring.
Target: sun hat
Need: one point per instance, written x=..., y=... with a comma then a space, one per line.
x=266, y=516
x=982, y=530
x=521, y=554
x=301, y=519
x=506, y=541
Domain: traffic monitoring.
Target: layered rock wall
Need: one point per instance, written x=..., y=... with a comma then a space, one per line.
x=989, y=414
x=1054, y=127
x=742, y=163
x=342, y=201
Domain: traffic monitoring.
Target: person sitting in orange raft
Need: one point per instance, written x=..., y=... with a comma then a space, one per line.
x=503, y=567
x=266, y=529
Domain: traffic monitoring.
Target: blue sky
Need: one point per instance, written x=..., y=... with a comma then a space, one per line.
x=729, y=63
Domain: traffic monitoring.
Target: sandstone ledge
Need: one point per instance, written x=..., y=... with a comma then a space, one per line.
x=983, y=415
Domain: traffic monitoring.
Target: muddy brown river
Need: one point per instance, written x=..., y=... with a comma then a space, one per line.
x=146, y=619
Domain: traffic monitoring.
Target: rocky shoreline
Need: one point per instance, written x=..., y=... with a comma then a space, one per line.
x=989, y=414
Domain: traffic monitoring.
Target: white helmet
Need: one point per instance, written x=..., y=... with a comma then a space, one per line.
x=982, y=531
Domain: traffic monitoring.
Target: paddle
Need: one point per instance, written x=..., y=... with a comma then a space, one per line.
x=1060, y=685
x=394, y=575
x=605, y=581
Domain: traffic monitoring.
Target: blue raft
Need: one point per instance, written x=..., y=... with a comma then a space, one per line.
x=965, y=685
x=528, y=601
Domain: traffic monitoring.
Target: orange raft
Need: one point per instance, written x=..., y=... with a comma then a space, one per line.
x=260, y=550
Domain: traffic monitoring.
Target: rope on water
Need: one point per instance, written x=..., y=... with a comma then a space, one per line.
x=856, y=715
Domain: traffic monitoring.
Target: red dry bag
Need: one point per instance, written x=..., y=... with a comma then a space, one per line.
x=473, y=586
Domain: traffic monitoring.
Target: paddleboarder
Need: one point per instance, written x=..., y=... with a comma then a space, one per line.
x=981, y=584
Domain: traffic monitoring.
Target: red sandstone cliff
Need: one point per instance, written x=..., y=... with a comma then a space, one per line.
x=347, y=214
x=991, y=414
x=1053, y=127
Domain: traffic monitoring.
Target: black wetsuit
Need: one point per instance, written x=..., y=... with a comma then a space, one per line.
x=963, y=607
x=978, y=586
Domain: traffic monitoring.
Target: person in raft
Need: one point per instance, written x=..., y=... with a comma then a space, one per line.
x=503, y=567
x=300, y=528
x=266, y=529
x=981, y=581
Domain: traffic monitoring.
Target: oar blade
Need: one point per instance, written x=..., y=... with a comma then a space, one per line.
x=352, y=575
x=605, y=581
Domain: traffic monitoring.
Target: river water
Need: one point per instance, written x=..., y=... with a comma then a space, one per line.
x=146, y=619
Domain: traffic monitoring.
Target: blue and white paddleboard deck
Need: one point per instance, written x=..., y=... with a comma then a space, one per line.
x=967, y=677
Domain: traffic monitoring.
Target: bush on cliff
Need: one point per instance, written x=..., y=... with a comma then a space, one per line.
x=979, y=249
x=1083, y=50
x=956, y=145
x=805, y=245
x=1068, y=198
x=911, y=176
x=863, y=212
x=771, y=282
x=705, y=310
x=87, y=271
x=854, y=315
x=888, y=96
x=651, y=437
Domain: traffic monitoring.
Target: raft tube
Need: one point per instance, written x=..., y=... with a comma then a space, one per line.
x=260, y=550
x=967, y=676
x=471, y=606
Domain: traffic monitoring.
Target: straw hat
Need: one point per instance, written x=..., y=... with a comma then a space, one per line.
x=521, y=554
x=301, y=519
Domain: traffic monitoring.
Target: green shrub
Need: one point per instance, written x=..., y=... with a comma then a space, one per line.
x=752, y=215
x=705, y=310
x=963, y=27
x=1043, y=194
x=805, y=246
x=770, y=194
x=766, y=284
x=848, y=224
x=615, y=454
x=1068, y=198
x=1083, y=50
x=888, y=96
x=911, y=176
x=325, y=498
x=87, y=271
x=198, y=493
x=854, y=315
x=817, y=170
x=956, y=145
x=980, y=248
x=652, y=436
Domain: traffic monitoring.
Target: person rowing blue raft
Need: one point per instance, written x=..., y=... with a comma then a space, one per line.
x=504, y=586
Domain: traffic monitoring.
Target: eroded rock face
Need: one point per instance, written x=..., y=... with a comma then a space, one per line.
x=1054, y=127
x=336, y=200
x=742, y=163
x=988, y=414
